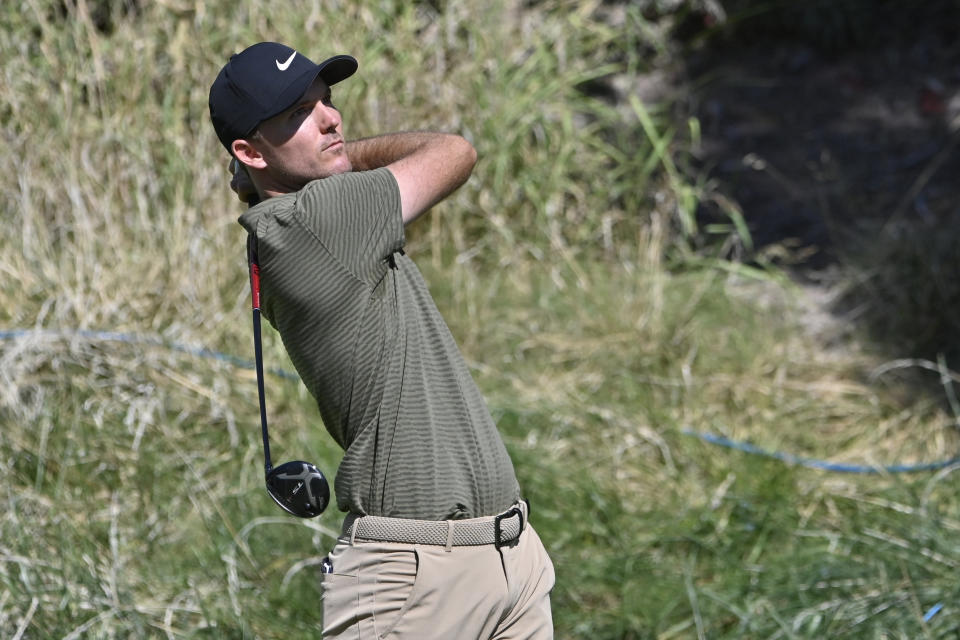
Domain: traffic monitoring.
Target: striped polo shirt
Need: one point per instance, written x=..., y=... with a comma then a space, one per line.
x=366, y=338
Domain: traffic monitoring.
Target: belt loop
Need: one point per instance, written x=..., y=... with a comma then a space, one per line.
x=353, y=531
x=449, y=546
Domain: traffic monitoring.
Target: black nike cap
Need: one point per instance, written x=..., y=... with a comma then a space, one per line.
x=263, y=80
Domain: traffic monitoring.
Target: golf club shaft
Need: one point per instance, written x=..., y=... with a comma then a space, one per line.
x=298, y=487
x=258, y=350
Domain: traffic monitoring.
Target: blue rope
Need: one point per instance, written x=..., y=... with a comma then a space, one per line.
x=819, y=464
x=934, y=610
x=112, y=336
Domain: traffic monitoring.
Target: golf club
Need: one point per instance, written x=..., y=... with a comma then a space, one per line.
x=299, y=487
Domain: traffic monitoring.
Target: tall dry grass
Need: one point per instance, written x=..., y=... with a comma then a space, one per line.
x=133, y=504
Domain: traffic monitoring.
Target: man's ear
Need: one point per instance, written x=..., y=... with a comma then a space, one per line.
x=248, y=154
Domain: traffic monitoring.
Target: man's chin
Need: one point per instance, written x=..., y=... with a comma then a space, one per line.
x=342, y=167
x=331, y=169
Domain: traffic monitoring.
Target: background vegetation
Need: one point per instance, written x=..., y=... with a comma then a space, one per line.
x=604, y=288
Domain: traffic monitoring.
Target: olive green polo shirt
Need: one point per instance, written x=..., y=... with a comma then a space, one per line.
x=364, y=334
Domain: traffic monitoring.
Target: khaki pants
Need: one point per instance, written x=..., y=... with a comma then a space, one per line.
x=402, y=591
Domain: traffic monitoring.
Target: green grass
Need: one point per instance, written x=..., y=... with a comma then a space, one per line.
x=130, y=474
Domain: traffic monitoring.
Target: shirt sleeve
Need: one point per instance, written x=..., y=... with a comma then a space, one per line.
x=357, y=217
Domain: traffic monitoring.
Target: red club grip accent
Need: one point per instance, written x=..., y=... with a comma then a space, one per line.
x=255, y=284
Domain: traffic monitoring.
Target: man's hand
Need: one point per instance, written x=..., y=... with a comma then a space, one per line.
x=427, y=166
x=241, y=183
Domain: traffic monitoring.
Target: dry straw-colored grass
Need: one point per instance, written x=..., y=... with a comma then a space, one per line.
x=132, y=499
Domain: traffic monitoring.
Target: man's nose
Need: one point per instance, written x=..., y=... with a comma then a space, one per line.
x=327, y=118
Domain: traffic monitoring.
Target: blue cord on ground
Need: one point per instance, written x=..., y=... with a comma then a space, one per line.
x=112, y=336
x=819, y=464
x=746, y=447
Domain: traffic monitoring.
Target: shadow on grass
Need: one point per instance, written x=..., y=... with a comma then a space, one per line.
x=832, y=126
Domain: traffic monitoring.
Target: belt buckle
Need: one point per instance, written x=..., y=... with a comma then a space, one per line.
x=497, y=527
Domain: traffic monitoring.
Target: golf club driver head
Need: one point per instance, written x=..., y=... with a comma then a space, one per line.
x=299, y=488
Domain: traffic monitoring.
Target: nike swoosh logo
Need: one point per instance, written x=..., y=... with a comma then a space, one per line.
x=284, y=65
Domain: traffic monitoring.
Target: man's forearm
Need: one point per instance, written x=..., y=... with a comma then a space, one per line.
x=379, y=151
x=427, y=166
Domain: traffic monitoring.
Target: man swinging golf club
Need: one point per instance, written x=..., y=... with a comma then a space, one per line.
x=437, y=541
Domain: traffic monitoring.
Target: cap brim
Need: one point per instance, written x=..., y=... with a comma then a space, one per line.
x=337, y=68
x=332, y=70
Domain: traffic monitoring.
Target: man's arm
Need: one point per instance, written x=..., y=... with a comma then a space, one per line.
x=427, y=166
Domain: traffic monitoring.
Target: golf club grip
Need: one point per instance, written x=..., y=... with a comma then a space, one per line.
x=258, y=349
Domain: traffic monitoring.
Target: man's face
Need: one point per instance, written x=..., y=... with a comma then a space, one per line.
x=303, y=143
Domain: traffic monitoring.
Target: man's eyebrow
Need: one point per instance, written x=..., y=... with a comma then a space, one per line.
x=304, y=101
x=308, y=100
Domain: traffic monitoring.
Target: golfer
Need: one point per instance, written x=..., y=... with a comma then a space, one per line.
x=437, y=541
